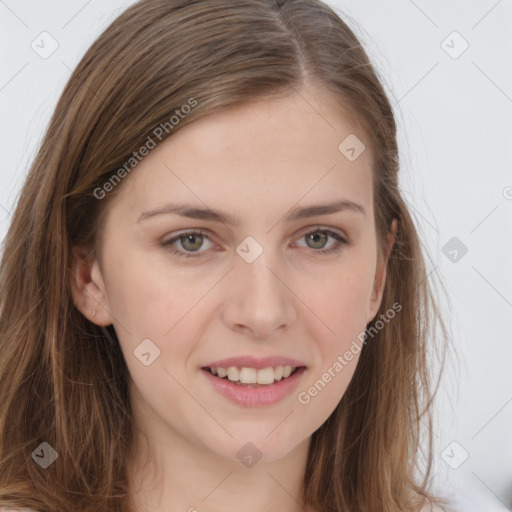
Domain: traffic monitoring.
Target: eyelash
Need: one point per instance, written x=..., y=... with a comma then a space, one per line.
x=341, y=242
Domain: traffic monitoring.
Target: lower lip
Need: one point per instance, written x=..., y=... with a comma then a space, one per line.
x=242, y=395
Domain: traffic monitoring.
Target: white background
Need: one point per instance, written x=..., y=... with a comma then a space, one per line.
x=455, y=135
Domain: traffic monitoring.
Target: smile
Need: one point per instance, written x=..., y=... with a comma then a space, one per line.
x=254, y=387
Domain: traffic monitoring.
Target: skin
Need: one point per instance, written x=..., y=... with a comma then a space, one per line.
x=256, y=161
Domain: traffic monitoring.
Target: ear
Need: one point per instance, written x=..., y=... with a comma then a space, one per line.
x=380, y=275
x=87, y=287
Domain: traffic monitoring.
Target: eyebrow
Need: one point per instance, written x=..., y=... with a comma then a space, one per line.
x=208, y=214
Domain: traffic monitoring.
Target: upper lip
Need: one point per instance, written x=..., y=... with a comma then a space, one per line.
x=255, y=362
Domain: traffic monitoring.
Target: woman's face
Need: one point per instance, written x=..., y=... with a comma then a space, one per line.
x=255, y=285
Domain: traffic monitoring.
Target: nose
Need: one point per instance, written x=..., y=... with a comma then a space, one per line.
x=258, y=301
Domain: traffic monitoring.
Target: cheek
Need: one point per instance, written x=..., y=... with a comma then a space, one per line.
x=339, y=334
x=328, y=380
x=151, y=301
x=340, y=307
x=146, y=297
x=342, y=299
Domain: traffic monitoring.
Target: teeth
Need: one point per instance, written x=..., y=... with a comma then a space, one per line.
x=287, y=370
x=252, y=375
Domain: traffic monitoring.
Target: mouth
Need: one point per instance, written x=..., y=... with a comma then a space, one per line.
x=253, y=377
x=251, y=387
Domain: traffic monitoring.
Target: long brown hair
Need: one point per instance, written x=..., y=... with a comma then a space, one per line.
x=63, y=379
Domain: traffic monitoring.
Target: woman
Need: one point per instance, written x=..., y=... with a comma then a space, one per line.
x=213, y=294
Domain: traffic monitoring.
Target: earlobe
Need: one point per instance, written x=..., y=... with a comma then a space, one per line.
x=87, y=288
x=380, y=277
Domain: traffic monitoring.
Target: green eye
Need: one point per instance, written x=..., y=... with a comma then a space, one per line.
x=194, y=237
x=325, y=235
x=192, y=241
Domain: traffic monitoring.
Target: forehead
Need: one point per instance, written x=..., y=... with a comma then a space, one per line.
x=270, y=153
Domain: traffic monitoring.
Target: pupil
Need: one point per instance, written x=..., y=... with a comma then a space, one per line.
x=191, y=238
x=314, y=236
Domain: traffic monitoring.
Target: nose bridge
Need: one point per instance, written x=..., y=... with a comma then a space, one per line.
x=260, y=275
x=259, y=299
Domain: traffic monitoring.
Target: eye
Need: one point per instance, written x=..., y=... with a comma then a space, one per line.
x=192, y=241
x=320, y=236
